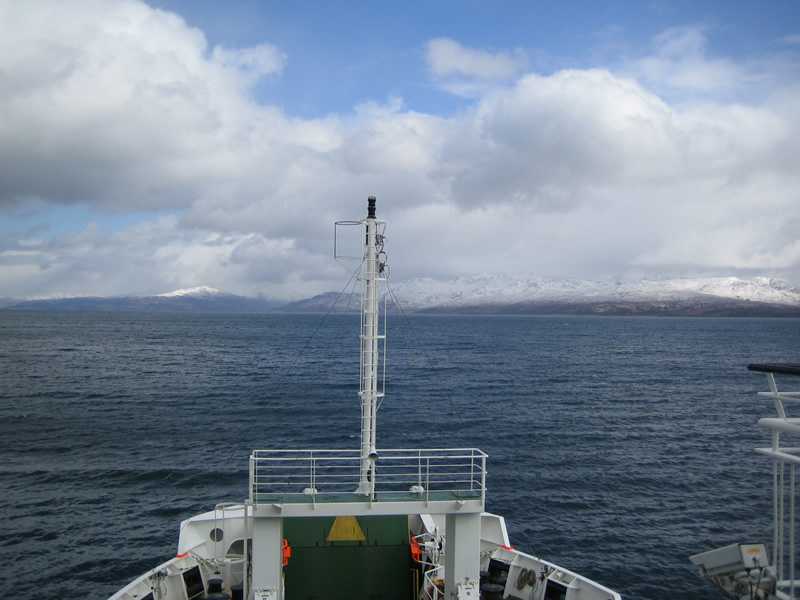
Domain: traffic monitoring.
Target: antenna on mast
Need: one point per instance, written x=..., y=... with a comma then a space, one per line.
x=372, y=273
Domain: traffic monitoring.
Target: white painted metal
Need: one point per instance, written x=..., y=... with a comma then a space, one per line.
x=368, y=383
x=780, y=424
x=791, y=397
x=784, y=550
x=579, y=587
x=462, y=553
x=773, y=387
x=331, y=475
x=494, y=544
x=782, y=455
x=366, y=508
x=775, y=523
x=372, y=270
x=166, y=578
x=781, y=518
x=429, y=587
x=792, y=555
x=266, y=560
x=220, y=544
x=246, y=582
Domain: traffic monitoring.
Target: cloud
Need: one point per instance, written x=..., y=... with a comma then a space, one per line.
x=158, y=256
x=255, y=62
x=123, y=105
x=545, y=141
x=468, y=71
x=583, y=172
x=680, y=60
x=792, y=39
x=447, y=57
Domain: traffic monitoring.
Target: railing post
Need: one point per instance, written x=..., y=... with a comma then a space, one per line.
x=773, y=387
x=791, y=527
x=471, y=469
x=247, y=557
x=427, y=480
x=775, y=513
x=483, y=480
x=252, y=477
x=781, y=521
x=373, y=481
x=313, y=478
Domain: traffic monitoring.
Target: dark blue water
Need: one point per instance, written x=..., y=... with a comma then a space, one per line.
x=618, y=445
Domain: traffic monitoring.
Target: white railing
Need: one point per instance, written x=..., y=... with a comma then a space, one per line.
x=784, y=458
x=431, y=591
x=334, y=475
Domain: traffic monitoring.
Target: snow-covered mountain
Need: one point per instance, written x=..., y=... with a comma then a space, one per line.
x=723, y=296
x=502, y=290
x=202, y=291
x=198, y=299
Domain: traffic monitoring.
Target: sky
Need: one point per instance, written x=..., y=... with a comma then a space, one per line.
x=150, y=147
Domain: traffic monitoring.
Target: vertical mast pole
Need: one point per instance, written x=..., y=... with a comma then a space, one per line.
x=369, y=352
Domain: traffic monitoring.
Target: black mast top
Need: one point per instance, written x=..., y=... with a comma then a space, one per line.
x=371, y=207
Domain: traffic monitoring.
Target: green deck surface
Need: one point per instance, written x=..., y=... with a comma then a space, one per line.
x=376, y=569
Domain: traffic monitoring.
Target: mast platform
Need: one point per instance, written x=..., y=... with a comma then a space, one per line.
x=317, y=482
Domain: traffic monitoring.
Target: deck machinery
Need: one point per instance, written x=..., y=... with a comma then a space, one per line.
x=367, y=523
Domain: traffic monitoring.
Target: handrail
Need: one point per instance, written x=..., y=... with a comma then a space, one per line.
x=477, y=451
x=783, y=458
x=427, y=583
x=418, y=474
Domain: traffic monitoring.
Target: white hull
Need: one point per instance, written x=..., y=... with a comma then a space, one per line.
x=527, y=579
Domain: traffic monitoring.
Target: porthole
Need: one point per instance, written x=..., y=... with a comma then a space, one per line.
x=216, y=534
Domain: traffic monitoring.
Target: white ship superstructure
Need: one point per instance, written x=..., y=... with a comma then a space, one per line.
x=368, y=523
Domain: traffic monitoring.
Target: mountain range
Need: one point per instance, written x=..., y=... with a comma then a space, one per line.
x=201, y=299
x=722, y=296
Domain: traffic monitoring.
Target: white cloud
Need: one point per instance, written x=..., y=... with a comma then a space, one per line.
x=469, y=71
x=681, y=65
x=159, y=256
x=255, y=62
x=447, y=57
x=792, y=39
x=680, y=60
x=121, y=104
x=579, y=173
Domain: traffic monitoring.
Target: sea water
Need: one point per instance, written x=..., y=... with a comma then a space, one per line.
x=618, y=446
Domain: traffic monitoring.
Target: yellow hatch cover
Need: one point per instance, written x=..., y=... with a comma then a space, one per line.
x=346, y=529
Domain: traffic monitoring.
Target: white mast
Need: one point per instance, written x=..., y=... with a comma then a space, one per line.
x=371, y=274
